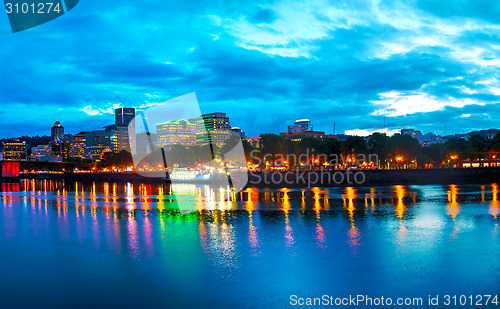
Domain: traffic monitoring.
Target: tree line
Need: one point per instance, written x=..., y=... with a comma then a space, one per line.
x=391, y=151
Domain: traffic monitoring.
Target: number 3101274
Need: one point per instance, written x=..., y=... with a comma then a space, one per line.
x=33, y=8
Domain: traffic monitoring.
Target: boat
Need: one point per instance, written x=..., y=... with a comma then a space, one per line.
x=185, y=175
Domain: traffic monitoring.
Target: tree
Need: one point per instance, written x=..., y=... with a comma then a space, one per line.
x=478, y=146
x=431, y=155
x=354, y=145
x=272, y=145
x=332, y=146
x=248, y=148
x=203, y=154
x=377, y=144
x=180, y=155
x=403, y=148
x=456, y=146
x=495, y=143
x=121, y=160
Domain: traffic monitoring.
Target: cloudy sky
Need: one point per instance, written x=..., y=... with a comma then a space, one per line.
x=422, y=64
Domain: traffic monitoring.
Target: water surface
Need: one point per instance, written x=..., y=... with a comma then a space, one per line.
x=126, y=245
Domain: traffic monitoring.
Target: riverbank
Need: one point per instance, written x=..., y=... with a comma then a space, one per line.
x=313, y=178
x=373, y=177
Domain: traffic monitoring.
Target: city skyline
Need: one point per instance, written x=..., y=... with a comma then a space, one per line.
x=391, y=132
x=416, y=64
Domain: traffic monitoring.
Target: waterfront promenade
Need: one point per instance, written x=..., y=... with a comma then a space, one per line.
x=278, y=179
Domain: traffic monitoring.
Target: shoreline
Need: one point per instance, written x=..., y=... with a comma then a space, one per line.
x=294, y=179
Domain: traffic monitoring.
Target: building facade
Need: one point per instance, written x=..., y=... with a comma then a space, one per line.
x=212, y=128
x=56, y=131
x=42, y=153
x=61, y=147
x=77, y=145
x=124, y=115
x=180, y=132
x=254, y=141
x=14, y=150
x=300, y=125
x=99, y=142
x=298, y=136
x=237, y=131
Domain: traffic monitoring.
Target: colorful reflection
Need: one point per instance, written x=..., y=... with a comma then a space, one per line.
x=128, y=215
x=494, y=204
x=320, y=231
x=252, y=230
x=353, y=233
x=286, y=207
x=453, y=207
x=400, y=192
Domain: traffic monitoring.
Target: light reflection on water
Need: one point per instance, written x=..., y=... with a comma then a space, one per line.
x=289, y=240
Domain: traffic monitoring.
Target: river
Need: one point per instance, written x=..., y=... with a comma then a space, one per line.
x=105, y=245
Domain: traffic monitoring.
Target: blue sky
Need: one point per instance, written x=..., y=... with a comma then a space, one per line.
x=421, y=64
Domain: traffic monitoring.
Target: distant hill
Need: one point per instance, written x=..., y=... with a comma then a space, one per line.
x=485, y=133
x=489, y=133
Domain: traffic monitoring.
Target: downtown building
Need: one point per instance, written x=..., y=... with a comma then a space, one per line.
x=123, y=117
x=56, y=131
x=61, y=147
x=180, y=132
x=300, y=125
x=212, y=129
x=59, y=143
x=42, y=153
x=14, y=150
x=77, y=145
x=99, y=142
x=298, y=136
x=302, y=128
x=114, y=137
x=238, y=132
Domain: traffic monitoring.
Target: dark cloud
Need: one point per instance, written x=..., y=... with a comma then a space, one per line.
x=263, y=15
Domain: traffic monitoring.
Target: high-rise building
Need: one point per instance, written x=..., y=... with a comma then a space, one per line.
x=212, y=128
x=180, y=132
x=238, y=131
x=77, y=145
x=124, y=115
x=60, y=147
x=14, y=150
x=300, y=125
x=56, y=131
x=98, y=142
